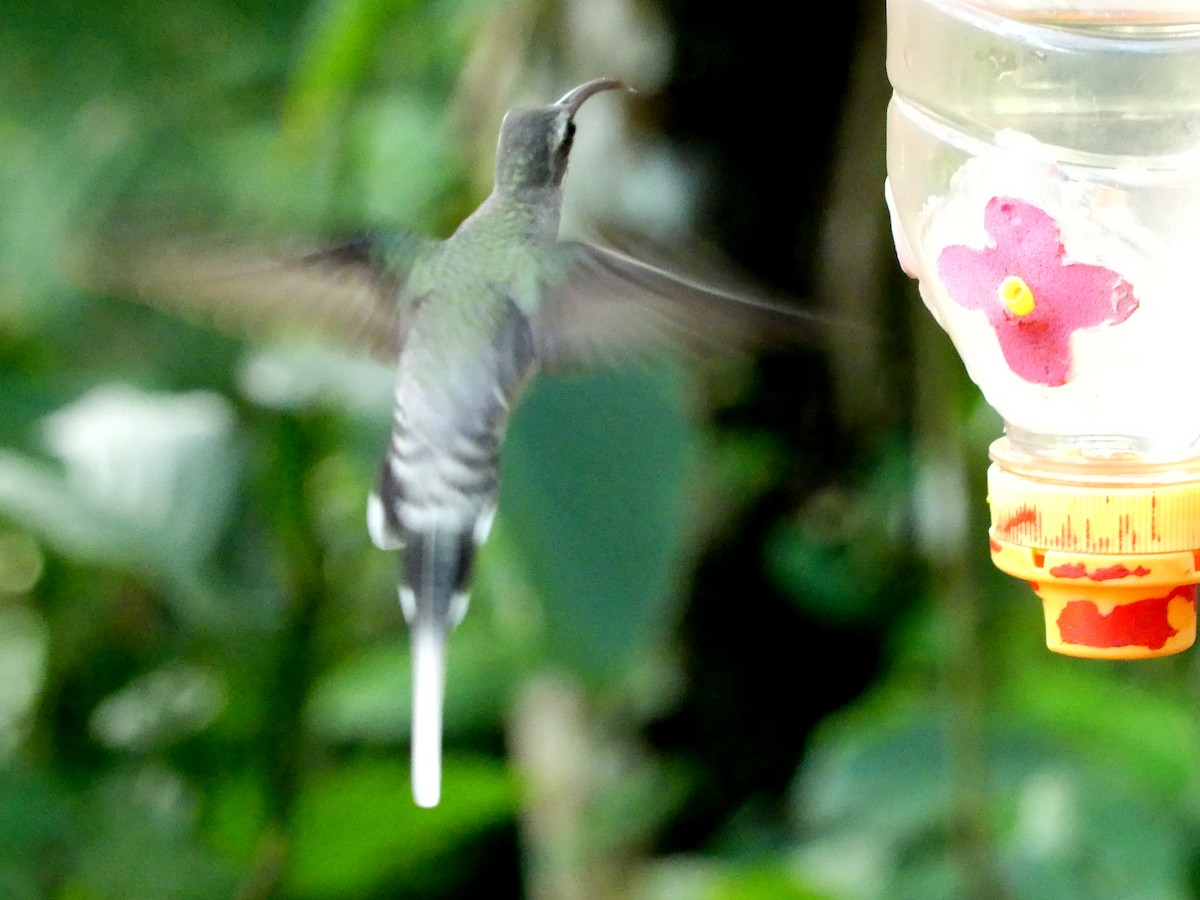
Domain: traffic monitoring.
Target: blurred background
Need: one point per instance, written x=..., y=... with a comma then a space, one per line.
x=735, y=634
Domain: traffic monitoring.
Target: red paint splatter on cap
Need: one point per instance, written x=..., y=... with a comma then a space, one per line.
x=1107, y=573
x=1024, y=515
x=1058, y=297
x=1118, y=571
x=1069, y=570
x=1142, y=623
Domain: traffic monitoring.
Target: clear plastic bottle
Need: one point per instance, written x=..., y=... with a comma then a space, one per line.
x=1044, y=181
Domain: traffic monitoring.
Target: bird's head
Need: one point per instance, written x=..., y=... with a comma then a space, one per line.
x=536, y=143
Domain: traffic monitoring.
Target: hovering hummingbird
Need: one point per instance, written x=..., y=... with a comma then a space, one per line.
x=468, y=320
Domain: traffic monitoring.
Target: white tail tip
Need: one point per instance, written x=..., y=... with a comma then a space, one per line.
x=429, y=685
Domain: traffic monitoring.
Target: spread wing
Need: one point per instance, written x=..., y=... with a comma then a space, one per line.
x=601, y=305
x=349, y=292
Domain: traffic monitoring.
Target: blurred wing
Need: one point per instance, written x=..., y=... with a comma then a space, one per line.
x=350, y=293
x=603, y=306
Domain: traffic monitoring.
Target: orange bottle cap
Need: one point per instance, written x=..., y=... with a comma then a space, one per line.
x=1115, y=561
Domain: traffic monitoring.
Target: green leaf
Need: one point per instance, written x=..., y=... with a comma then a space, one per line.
x=141, y=844
x=357, y=831
x=1149, y=733
x=707, y=878
x=880, y=786
x=367, y=696
x=35, y=816
x=594, y=502
x=148, y=485
x=343, y=38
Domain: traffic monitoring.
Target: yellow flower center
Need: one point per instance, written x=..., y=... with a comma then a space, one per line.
x=1016, y=295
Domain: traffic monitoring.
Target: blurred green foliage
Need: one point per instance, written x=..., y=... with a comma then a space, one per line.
x=701, y=662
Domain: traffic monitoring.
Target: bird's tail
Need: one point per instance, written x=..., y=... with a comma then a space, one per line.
x=436, y=564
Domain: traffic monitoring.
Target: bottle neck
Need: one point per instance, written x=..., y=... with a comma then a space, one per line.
x=1094, y=459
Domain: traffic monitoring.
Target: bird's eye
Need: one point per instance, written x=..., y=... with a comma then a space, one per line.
x=566, y=134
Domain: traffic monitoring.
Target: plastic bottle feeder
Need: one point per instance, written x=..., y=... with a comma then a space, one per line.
x=1044, y=183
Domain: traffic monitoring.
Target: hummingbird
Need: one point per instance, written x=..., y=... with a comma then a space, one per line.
x=468, y=321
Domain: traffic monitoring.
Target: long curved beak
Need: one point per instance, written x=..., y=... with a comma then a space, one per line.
x=574, y=98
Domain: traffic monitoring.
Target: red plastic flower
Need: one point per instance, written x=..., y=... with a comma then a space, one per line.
x=1031, y=296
